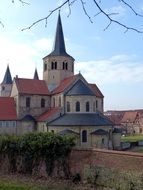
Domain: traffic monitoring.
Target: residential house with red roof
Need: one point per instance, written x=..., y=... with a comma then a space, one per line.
x=61, y=102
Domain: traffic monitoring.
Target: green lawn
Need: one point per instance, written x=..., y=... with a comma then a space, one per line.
x=10, y=185
x=132, y=138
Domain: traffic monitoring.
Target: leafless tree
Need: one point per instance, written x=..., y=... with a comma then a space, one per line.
x=98, y=8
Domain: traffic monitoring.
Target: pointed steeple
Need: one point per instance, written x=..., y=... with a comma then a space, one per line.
x=59, y=43
x=36, y=77
x=7, y=77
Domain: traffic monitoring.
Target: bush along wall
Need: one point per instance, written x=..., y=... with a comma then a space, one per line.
x=113, y=179
x=25, y=153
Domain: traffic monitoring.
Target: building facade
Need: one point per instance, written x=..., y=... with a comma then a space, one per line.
x=62, y=102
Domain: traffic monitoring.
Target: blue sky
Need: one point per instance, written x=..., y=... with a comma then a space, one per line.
x=112, y=59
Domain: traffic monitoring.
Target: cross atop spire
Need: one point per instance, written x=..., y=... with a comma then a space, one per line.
x=59, y=43
x=7, y=77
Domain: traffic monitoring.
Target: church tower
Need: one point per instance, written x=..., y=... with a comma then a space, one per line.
x=5, y=86
x=58, y=64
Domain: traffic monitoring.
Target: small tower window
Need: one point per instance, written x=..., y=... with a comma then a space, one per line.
x=68, y=107
x=77, y=106
x=84, y=136
x=54, y=65
x=3, y=87
x=87, y=107
x=28, y=102
x=45, y=67
x=65, y=66
x=42, y=103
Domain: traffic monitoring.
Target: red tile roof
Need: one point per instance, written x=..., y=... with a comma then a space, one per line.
x=130, y=116
x=115, y=118
x=7, y=108
x=31, y=86
x=46, y=115
x=64, y=84
x=96, y=90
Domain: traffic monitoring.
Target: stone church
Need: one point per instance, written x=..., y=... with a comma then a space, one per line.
x=63, y=102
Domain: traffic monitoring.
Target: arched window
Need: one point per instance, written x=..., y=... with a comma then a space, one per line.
x=59, y=101
x=45, y=67
x=77, y=106
x=54, y=102
x=54, y=65
x=84, y=136
x=96, y=104
x=68, y=107
x=94, y=107
x=28, y=100
x=87, y=107
x=42, y=103
x=66, y=66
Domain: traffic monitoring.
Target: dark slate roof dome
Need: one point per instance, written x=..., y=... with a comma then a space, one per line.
x=81, y=119
x=99, y=132
x=7, y=77
x=80, y=88
x=28, y=118
x=68, y=132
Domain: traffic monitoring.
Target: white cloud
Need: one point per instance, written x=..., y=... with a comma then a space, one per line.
x=19, y=56
x=116, y=11
x=117, y=69
x=44, y=44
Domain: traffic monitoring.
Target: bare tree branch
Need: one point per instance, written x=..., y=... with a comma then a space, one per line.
x=45, y=18
x=115, y=21
x=96, y=2
x=137, y=14
x=23, y=2
x=84, y=9
x=1, y=24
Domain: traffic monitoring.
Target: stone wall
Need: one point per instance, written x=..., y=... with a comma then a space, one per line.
x=113, y=169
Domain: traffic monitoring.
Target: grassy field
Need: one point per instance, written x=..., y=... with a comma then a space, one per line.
x=8, y=183
x=132, y=138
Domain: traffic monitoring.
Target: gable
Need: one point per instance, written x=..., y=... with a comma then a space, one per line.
x=80, y=88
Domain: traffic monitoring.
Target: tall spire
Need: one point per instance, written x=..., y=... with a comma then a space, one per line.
x=7, y=77
x=36, y=77
x=59, y=43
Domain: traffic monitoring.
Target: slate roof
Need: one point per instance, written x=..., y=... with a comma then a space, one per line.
x=36, y=75
x=28, y=118
x=7, y=77
x=46, y=115
x=59, y=43
x=64, y=84
x=7, y=108
x=117, y=130
x=96, y=90
x=99, y=132
x=79, y=88
x=115, y=118
x=81, y=119
x=67, y=132
x=31, y=86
